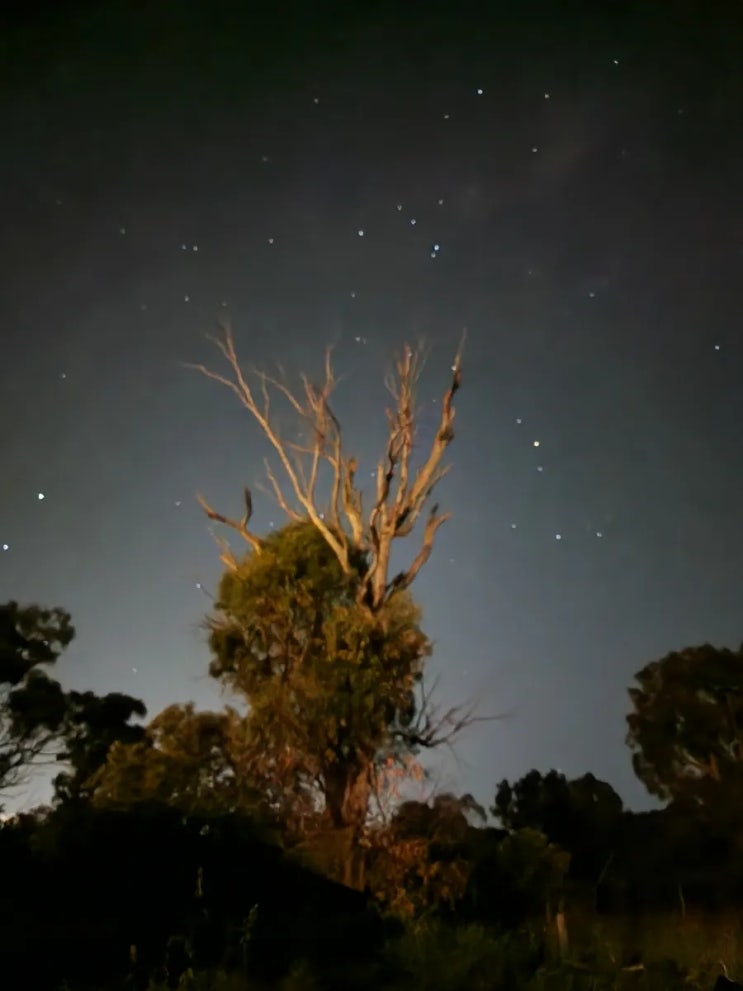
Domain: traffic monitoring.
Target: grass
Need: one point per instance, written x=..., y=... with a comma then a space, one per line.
x=710, y=944
x=668, y=952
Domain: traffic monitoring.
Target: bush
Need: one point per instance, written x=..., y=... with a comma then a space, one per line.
x=436, y=957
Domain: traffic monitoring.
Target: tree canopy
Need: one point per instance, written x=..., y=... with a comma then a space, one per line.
x=185, y=759
x=686, y=727
x=582, y=816
x=330, y=688
x=33, y=705
x=40, y=722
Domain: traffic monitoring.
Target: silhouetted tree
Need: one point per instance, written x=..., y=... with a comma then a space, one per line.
x=686, y=729
x=40, y=722
x=32, y=705
x=582, y=816
x=92, y=725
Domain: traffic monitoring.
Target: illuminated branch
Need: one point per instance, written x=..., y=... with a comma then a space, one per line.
x=400, y=497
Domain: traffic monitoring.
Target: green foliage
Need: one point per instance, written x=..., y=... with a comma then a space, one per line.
x=531, y=868
x=433, y=956
x=329, y=685
x=93, y=725
x=185, y=759
x=686, y=728
x=420, y=863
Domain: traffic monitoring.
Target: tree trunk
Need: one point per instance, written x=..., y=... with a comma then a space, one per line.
x=347, y=793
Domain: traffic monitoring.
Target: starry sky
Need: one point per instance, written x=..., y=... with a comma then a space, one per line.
x=563, y=180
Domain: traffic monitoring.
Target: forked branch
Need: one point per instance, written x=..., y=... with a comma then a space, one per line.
x=401, y=494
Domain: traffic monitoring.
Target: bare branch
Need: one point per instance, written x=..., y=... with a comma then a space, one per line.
x=283, y=504
x=401, y=493
x=242, y=389
x=405, y=578
x=393, y=517
x=433, y=728
x=241, y=526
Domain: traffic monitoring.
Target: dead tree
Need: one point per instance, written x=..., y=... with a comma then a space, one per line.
x=401, y=492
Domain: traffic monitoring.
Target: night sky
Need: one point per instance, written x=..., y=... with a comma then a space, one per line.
x=563, y=181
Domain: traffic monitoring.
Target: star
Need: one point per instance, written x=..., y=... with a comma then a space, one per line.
x=592, y=376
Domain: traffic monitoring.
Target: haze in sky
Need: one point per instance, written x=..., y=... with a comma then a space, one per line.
x=563, y=182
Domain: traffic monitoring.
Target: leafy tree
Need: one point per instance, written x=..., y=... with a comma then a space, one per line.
x=686, y=728
x=40, y=722
x=311, y=628
x=330, y=688
x=531, y=870
x=32, y=705
x=184, y=759
x=421, y=862
x=93, y=724
x=582, y=816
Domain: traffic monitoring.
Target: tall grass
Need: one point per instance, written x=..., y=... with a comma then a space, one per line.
x=703, y=944
x=668, y=952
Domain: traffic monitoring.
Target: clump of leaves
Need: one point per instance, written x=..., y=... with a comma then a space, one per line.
x=328, y=684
